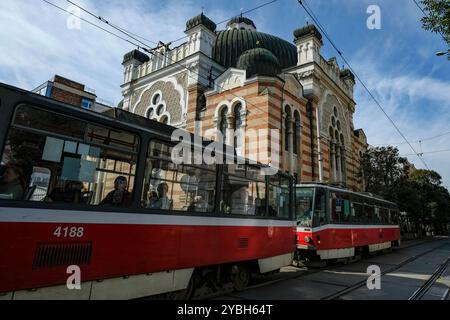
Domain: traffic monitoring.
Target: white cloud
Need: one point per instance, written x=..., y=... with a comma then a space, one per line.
x=39, y=44
x=419, y=105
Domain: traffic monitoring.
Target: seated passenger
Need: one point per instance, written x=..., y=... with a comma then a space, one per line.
x=120, y=196
x=163, y=202
x=151, y=199
x=70, y=192
x=12, y=186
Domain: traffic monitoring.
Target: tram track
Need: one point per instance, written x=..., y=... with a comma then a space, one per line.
x=423, y=290
x=343, y=292
x=346, y=291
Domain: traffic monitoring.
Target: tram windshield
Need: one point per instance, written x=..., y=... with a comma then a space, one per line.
x=304, y=207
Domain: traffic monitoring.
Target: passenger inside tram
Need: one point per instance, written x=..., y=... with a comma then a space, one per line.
x=13, y=185
x=120, y=196
x=162, y=202
x=66, y=192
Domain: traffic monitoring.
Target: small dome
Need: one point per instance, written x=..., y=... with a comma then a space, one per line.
x=241, y=19
x=310, y=29
x=231, y=44
x=201, y=19
x=135, y=55
x=259, y=62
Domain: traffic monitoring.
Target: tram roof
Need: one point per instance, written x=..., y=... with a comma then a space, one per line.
x=342, y=189
x=125, y=118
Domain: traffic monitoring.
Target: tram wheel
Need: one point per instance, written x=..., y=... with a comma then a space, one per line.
x=241, y=277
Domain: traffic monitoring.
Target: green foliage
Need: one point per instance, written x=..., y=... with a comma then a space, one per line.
x=383, y=170
x=417, y=192
x=438, y=17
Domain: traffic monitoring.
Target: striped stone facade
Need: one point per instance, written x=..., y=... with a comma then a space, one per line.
x=300, y=120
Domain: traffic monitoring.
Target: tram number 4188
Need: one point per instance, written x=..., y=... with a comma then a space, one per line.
x=69, y=232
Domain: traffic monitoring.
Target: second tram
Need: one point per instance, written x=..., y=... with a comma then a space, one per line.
x=334, y=223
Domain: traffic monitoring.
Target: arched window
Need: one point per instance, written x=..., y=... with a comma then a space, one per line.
x=165, y=120
x=238, y=126
x=223, y=123
x=287, y=124
x=150, y=113
x=297, y=132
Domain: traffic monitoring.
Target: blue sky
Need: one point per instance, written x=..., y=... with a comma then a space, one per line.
x=397, y=62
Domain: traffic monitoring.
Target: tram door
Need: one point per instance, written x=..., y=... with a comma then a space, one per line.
x=320, y=208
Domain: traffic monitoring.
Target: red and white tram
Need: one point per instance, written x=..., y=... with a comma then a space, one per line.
x=335, y=223
x=100, y=193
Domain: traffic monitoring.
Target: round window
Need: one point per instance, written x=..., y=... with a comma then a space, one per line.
x=333, y=121
x=156, y=99
x=335, y=111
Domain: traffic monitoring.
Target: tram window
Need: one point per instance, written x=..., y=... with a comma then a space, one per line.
x=320, y=208
x=395, y=217
x=61, y=163
x=39, y=184
x=243, y=196
x=184, y=188
x=357, y=213
x=304, y=206
x=384, y=213
x=279, y=197
x=369, y=213
x=340, y=208
x=377, y=215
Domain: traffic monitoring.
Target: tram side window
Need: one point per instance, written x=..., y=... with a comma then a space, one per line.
x=384, y=214
x=279, y=197
x=369, y=213
x=395, y=216
x=377, y=215
x=357, y=213
x=61, y=159
x=340, y=208
x=172, y=187
x=243, y=191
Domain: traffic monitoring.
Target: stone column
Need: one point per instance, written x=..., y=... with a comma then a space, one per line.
x=333, y=161
x=338, y=163
x=230, y=131
x=291, y=146
x=344, y=164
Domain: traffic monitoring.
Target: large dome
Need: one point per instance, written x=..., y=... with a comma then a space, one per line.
x=259, y=62
x=231, y=44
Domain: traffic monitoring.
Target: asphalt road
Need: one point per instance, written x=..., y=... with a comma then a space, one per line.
x=416, y=271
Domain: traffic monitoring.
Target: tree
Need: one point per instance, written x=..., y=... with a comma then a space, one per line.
x=437, y=17
x=383, y=170
x=419, y=193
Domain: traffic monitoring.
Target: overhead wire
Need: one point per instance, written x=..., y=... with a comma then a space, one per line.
x=310, y=12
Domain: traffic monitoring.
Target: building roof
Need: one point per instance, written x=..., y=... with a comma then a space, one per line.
x=201, y=19
x=260, y=62
x=231, y=44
